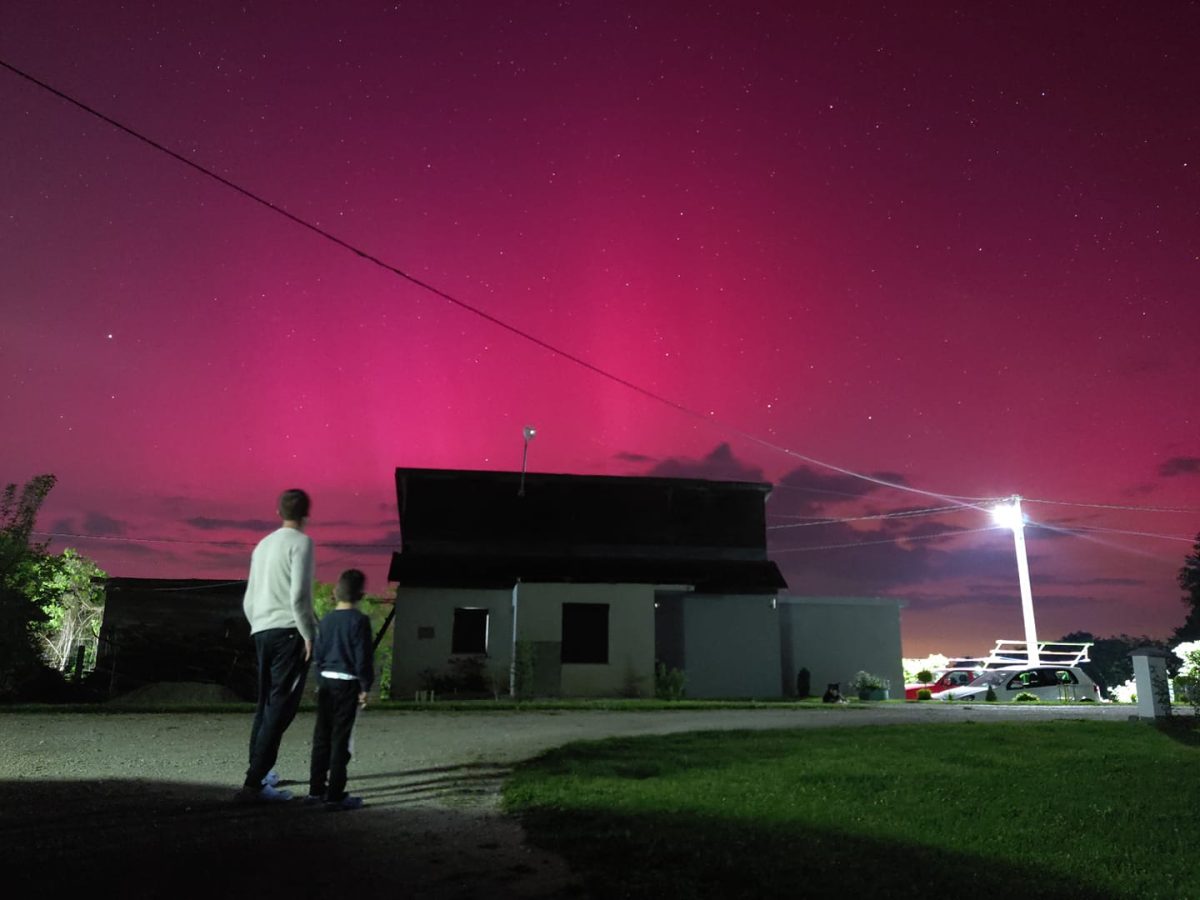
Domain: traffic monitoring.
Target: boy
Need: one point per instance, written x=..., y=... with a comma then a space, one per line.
x=343, y=655
x=279, y=607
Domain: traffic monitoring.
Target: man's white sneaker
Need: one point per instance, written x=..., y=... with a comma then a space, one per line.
x=269, y=794
x=271, y=779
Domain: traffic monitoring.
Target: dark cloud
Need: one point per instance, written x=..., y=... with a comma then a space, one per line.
x=100, y=524
x=633, y=457
x=1180, y=465
x=204, y=523
x=63, y=526
x=814, y=560
x=1091, y=582
x=807, y=491
x=719, y=465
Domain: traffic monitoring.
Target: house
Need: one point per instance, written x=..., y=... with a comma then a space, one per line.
x=574, y=585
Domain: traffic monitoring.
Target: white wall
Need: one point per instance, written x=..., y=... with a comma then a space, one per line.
x=731, y=646
x=427, y=607
x=835, y=637
x=630, y=634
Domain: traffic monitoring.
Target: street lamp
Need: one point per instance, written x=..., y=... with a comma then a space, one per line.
x=530, y=433
x=1010, y=516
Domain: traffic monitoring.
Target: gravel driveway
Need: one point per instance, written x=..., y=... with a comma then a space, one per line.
x=142, y=803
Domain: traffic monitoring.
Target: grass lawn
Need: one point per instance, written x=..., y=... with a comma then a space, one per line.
x=1050, y=809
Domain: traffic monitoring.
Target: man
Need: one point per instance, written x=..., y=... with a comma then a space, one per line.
x=279, y=607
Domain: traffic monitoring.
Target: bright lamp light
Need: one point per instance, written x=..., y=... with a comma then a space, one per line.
x=1009, y=515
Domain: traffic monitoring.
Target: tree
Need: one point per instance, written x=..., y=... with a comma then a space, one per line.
x=1189, y=580
x=20, y=661
x=68, y=589
x=1110, y=663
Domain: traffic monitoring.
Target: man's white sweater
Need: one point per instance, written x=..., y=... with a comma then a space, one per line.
x=279, y=590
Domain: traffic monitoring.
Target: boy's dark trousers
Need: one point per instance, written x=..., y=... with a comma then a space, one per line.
x=281, y=672
x=337, y=708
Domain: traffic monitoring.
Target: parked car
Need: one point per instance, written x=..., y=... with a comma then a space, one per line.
x=1044, y=682
x=951, y=678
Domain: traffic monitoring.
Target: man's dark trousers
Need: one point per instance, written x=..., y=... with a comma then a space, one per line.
x=337, y=708
x=281, y=672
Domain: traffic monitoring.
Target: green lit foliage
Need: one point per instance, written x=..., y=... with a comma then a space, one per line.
x=924, y=676
x=69, y=590
x=1026, y=697
x=924, y=694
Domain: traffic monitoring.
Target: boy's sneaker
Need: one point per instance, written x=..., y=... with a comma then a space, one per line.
x=270, y=779
x=313, y=800
x=346, y=802
x=265, y=794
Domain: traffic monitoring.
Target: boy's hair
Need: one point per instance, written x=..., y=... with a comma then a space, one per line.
x=294, y=505
x=349, y=588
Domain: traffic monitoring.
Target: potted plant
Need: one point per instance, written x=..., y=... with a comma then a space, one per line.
x=870, y=687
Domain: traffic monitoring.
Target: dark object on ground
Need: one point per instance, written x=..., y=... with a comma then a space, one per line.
x=803, y=683
x=833, y=693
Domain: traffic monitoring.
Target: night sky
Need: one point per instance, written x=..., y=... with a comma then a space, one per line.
x=950, y=246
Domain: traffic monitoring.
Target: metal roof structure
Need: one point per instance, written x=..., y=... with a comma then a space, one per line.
x=472, y=528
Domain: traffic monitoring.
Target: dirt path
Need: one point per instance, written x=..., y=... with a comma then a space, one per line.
x=142, y=803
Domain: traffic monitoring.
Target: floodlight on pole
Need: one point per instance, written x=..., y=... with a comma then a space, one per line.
x=1009, y=515
x=529, y=433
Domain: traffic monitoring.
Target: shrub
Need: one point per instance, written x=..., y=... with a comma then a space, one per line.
x=668, y=683
x=865, y=681
x=924, y=676
x=990, y=696
x=924, y=694
x=1026, y=697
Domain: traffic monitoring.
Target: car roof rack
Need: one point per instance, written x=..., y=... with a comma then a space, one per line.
x=1016, y=653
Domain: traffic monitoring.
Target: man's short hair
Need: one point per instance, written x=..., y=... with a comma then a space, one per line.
x=350, y=585
x=294, y=505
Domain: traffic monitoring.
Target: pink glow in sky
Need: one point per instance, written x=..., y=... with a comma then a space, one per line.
x=950, y=246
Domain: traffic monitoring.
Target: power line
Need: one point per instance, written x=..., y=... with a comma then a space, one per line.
x=1163, y=509
x=1097, y=529
x=919, y=537
x=901, y=514
x=495, y=320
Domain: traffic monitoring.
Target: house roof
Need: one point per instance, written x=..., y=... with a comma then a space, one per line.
x=491, y=529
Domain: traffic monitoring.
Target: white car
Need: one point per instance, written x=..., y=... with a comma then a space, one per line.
x=1069, y=683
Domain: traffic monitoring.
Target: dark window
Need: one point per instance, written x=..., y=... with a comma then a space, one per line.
x=470, y=630
x=585, y=633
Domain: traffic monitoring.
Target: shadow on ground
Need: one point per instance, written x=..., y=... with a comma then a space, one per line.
x=167, y=839
x=686, y=856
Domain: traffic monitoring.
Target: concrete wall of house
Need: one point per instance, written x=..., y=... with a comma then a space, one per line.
x=731, y=646
x=835, y=637
x=424, y=625
x=630, y=666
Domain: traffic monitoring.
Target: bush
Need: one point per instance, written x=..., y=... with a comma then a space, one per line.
x=990, y=696
x=865, y=681
x=668, y=683
x=1026, y=697
x=924, y=676
x=924, y=694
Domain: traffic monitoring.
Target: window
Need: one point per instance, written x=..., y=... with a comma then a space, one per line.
x=585, y=633
x=470, y=630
